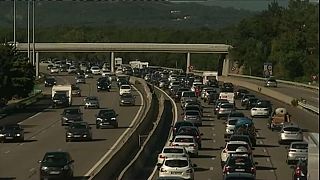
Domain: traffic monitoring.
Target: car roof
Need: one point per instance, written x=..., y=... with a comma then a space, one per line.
x=237, y=142
x=285, y=125
x=184, y=136
x=177, y=158
x=173, y=147
x=298, y=142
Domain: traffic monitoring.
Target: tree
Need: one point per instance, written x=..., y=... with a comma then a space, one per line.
x=16, y=73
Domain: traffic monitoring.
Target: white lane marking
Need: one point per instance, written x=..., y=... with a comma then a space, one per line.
x=214, y=141
x=264, y=150
x=35, y=115
x=260, y=142
x=21, y=144
x=268, y=159
x=7, y=152
x=211, y=168
x=212, y=128
x=213, y=134
x=213, y=158
x=32, y=169
x=119, y=139
x=33, y=137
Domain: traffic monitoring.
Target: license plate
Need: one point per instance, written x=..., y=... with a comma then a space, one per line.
x=76, y=135
x=9, y=137
x=239, y=170
x=106, y=123
x=176, y=172
x=54, y=172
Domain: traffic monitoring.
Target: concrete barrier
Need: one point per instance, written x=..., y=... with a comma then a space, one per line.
x=124, y=154
x=147, y=156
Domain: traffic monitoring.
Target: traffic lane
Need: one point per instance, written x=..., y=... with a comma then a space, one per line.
x=53, y=139
x=310, y=95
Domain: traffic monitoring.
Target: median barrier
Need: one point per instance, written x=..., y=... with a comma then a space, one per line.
x=146, y=158
x=123, y=154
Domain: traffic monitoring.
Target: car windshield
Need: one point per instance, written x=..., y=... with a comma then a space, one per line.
x=55, y=159
x=236, y=115
x=11, y=128
x=127, y=95
x=187, y=140
x=176, y=163
x=71, y=111
x=106, y=113
x=78, y=126
x=240, y=138
x=92, y=98
x=173, y=150
x=300, y=146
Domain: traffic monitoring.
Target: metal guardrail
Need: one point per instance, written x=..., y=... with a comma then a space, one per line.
x=309, y=107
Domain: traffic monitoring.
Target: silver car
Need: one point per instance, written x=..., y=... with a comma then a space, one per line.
x=296, y=151
x=225, y=109
x=187, y=142
x=91, y=102
x=230, y=125
x=290, y=132
x=193, y=116
x=271, y=83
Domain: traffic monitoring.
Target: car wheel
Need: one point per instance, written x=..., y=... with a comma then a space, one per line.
x=67, y=140
x=116, y=125
x=97, y=126
x=218, y=117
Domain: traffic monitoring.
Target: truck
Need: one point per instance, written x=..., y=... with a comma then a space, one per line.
x=228, y=96
x=61, y=95
x=117, y=62
x=313, y=156
x=138, y=64
x=209, y=76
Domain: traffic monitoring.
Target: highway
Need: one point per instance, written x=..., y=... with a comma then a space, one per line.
x=310, y=95
x=44, y=133
x=269, y=154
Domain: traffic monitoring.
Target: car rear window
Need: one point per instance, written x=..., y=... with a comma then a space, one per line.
x=176, y=163
x=172, y=150
x=300, y=146
x=192, y=113
x=291, y=129
x=189, y=140
x=226, y=106
x=125, y=87
x=233, y=147
x=232, y=122
x=189, y=94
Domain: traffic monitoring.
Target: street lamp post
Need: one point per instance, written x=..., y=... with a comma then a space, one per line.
x=33, y=27
x=14, y=23
x=29, y=31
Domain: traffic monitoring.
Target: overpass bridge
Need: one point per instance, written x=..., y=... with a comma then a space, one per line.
x=112, y=48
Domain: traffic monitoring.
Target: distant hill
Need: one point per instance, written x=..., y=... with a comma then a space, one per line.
x=127, y=14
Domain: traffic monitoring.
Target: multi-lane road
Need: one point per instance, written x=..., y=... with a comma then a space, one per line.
x=43, y=132
x=271, y=156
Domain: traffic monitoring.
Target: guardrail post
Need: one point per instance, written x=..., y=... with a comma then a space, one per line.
x=37, y=65
x=226, y=66
x=112, y=62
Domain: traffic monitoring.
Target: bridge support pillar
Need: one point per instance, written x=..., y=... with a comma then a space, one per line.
x=226, y=66
x=37, y=65
x=112, y=62
x=188, y=63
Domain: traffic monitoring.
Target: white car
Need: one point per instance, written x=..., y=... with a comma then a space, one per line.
x=187, y=142
x=259, y=111
x=177, y=167
x=54, y=69
x=119, y=71
x=105, y=73
x=125, y=89
x=231, y=147
x=171, y=152
x=230, y=125
x=72, y=69
x=296, y=151
x=95, y=70
x=91, y=102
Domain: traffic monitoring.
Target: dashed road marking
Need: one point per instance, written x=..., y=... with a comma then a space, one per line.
x=268, y=159
x=33, y=137
x=264, y=150
x=211, y=168
x=6, y=152
x=21, y=144
x=213, y=134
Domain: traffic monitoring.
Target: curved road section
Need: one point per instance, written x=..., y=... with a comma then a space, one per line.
x=43, y=133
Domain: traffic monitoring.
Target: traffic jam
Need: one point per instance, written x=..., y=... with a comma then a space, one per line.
x=194, y=93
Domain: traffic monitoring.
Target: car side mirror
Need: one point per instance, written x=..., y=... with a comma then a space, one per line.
x=221, y=147
x=72, y=161
x=256, y=163
x=171, y=140
x=201, y=134
x=159, y=165
x=117, y=115
x=194, y=165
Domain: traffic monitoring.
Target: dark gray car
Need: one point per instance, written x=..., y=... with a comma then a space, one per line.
x=71, y=115
x=127, y=99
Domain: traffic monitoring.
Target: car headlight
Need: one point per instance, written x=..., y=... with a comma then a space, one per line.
x=122, y=100
x=44, y=168
x=18, y=134
x=69, y=134
x=113, y=119
x=99, y=86
x=99, y=119
x=65, y=118
x=66, y=167
x=1, y=135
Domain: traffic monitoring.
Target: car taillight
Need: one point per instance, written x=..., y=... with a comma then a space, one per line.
x=292, y=150
x=192, y=145
x=175, y=144
x=189, y=171
x=298, y=171
x=226, y=169
x=253, y=109
x=198, y=137
x=162, y=157
x=253, y=170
